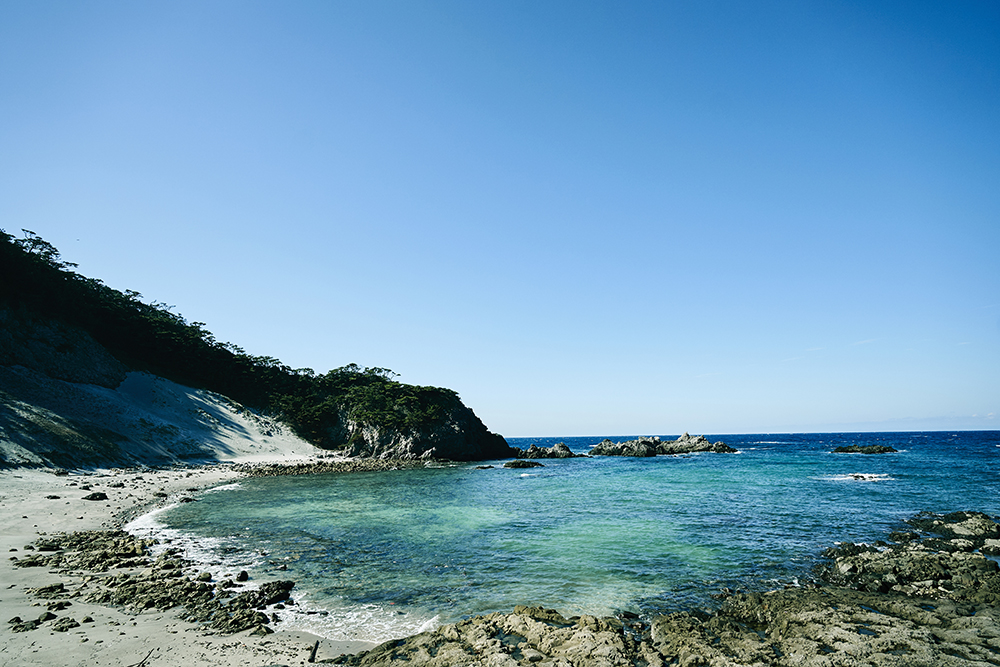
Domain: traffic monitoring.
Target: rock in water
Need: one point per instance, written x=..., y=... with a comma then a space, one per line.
x=653, y=446
x=557, y=451
x=864, y=449
x=520, y=463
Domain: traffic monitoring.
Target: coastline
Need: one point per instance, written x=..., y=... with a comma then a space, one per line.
x=931, y=600
x=118, y=637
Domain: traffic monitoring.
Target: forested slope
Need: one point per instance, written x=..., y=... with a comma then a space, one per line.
x=363, y=411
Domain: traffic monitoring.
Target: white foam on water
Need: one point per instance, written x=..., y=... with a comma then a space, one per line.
x=223, y=557
x=342, y=621
x=220, y=556
x=225, y=487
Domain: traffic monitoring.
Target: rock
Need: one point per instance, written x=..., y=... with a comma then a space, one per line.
x=24, y=626
x=267, y=594
x=643, y=447
x=687, y=444
x=520, y=463
x=97, y=495
x=557, y=451
x=49, y=592
x=242, y=576
x=529, y=636
x=646, y=447
x=864, y=449
x=65, y=624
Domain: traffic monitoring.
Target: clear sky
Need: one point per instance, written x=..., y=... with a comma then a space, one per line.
x=585, y=217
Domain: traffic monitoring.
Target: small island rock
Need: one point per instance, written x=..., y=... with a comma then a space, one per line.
x=864, y=449
x=644, y=446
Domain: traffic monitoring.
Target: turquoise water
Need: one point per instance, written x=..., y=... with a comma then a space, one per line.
x=382, y=555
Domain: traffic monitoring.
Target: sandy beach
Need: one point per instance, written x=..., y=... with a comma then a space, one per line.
x=35, y=503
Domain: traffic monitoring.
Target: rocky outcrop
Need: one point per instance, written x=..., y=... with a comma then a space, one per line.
x=141, y=583
x=459, y=436
x=640, y=447
x=644, y=447
x=557, y=451
x=521, y=463
x=529, y=635
x=864, y=449
x=947, y=564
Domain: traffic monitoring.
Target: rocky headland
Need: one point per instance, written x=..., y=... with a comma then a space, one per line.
x=646, y=447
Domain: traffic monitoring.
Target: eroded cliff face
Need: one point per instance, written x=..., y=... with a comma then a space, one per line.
x=461, y=436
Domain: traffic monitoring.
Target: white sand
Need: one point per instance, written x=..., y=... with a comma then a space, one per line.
x=162, y=420
x=115, y=637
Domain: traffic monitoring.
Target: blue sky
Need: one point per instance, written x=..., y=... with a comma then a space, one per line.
x=585, y=217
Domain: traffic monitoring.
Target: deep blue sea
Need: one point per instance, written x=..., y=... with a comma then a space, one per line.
x=383, y=555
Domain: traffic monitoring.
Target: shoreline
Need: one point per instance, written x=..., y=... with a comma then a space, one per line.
x=36, y=502
x=918, y=601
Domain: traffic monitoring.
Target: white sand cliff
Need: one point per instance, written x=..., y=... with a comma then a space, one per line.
x=146, y=419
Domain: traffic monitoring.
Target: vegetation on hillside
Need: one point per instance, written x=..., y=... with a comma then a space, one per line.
x=150, y=337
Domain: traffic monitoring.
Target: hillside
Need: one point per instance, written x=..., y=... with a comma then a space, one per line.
x=62, y=333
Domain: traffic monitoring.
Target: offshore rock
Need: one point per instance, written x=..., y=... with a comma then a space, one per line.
x=645, y=447
x=557, y=451
x=641, y=447
x=521, y=463
x=864, y=449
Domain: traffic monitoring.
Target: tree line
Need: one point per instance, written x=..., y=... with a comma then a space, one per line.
x=151, y=337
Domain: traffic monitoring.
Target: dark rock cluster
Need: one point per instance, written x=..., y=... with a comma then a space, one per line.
x=864, y=449
x=644, y=447
x=557, y=451
x=949, y=563
x=521, y=463
x=321, y=467
x=142, y=583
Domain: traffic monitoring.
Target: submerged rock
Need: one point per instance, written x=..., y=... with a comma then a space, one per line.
x=864, y=449
x=520, y=463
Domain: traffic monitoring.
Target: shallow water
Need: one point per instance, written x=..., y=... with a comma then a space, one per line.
x=383, y=555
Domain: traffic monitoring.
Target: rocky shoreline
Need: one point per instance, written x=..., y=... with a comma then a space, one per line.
x=931, y=600
x=330, y=466
x=929, y=595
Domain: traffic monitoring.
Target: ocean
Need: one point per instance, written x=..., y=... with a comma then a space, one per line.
x=377, y=556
